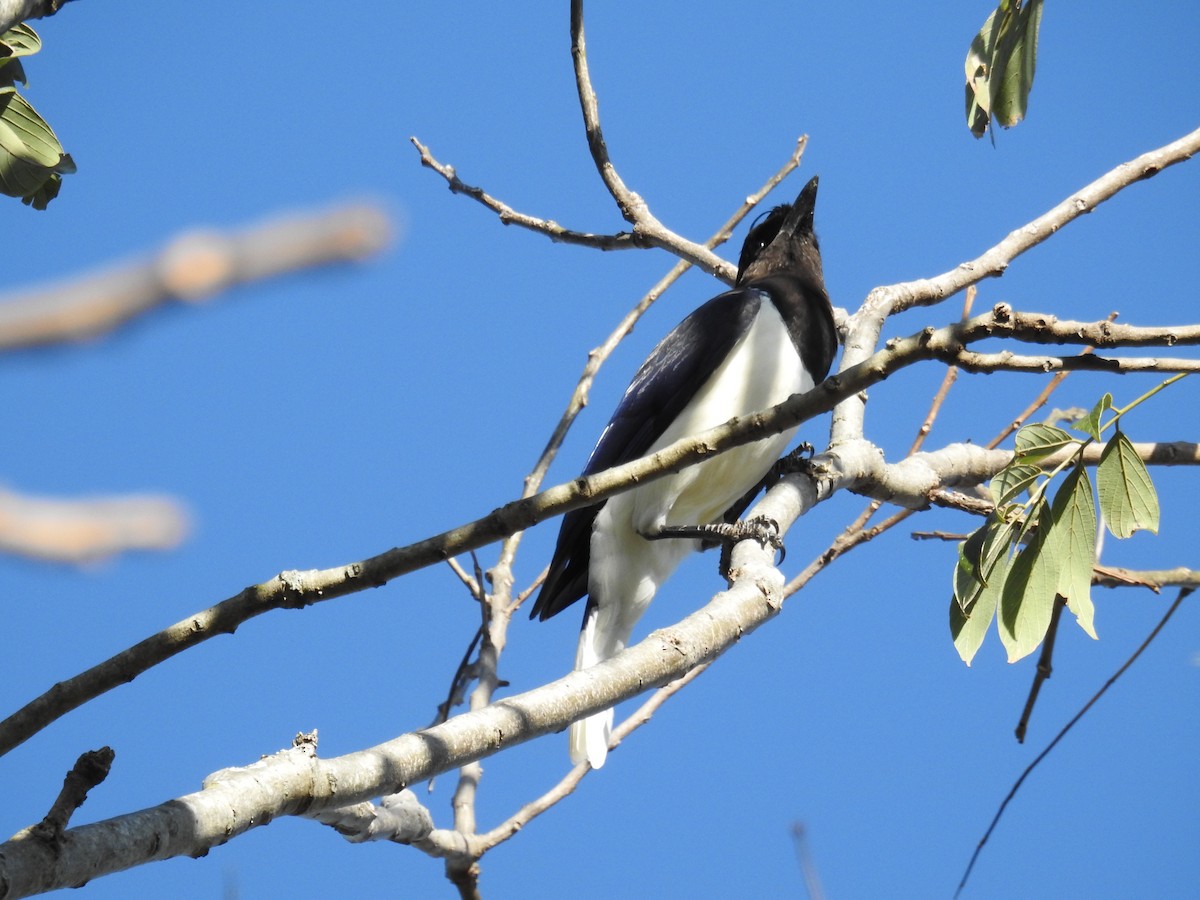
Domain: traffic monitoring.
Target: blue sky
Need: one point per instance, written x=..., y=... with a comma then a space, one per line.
x=323, y=418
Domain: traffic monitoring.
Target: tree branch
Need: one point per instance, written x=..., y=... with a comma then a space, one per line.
x=857, y=465
x=509, y=216
x=294, y=783
x=646, y=228
x=190, y=268
x=864, y=327
x=85, y=530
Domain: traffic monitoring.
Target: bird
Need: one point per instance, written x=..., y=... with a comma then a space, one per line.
x=743, y=351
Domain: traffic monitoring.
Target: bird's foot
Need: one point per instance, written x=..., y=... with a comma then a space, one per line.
x=799, y=460
x=763, y=529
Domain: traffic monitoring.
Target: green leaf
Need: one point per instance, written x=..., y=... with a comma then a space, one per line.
x=1027, y=599
x=1128, y=500
x=1013, y=480
x=31, y=158
x=20, y=40
x=1090, y=424
x=1070, y=546
x=1038, y=441
x=1000, y=65
x=977, y=587
x=11, y=71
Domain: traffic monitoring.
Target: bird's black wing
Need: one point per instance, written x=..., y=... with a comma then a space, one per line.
x=668, y=379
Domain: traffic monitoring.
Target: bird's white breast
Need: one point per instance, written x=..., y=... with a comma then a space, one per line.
x=763, y=369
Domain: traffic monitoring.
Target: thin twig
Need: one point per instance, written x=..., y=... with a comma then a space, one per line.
x=1039, y=401
x=863, y=329
x=948, y=380
x=857, y=533
x=598, y=356
x=471, y=583
x=633, y=208
x=89, y=771
x=567, y=785
x=853, y=536
x=458, y=683
x=509, y=216
x=1041, y=674
x=1058, y=737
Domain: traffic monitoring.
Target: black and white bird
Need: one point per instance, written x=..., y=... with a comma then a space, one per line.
x=741, y=352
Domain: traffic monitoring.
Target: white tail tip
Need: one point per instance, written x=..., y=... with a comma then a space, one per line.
x=589, y=738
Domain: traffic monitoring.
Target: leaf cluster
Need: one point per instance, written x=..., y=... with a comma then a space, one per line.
x=1000, y=65
x=1032, y=551
x=32, y=161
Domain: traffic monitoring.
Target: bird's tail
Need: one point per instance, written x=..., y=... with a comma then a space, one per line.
x=588, y=738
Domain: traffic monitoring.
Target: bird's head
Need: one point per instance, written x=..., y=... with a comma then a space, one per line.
x=782, y=240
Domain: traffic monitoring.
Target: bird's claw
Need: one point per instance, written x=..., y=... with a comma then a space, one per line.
x=765, y=530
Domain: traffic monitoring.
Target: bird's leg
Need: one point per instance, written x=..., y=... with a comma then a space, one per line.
x=763, y=529
x=796, y=461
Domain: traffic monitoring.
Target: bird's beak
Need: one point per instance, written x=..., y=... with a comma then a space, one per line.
x=800, y=219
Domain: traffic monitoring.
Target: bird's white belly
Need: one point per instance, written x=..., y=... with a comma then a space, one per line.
x=763, y=369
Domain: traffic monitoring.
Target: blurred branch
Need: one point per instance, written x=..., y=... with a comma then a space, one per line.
x=808, y=866
x=13, y=12
x=191, y=268
x=77, y=531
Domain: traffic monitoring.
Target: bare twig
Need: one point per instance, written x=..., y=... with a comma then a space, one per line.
x=598, y=356
x=948, y=380
x=1061, y=734
x=295, y=589
x=1039, y=401
x=1044, y=668
x=983, y=363
x=458, y=684
x=89, y=770
x=509, y=216
x=864, y=327
x=191, y=268
x=564, y=788
x=1153, y=579
x=853, y=536
x=635, y=210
